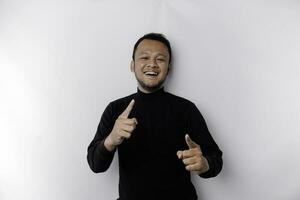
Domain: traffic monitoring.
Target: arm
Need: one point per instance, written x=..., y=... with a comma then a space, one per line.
x=99, y=158
x=199, y=132
x=110, y=134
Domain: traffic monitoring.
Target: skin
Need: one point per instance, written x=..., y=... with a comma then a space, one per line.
x=122, y=129
x=152, y=55
x=193, y=157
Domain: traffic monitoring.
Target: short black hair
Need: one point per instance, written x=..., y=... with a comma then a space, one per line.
x=154, y=36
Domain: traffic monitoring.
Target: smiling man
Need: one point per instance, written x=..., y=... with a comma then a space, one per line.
x=160, y=137
x=150, y=64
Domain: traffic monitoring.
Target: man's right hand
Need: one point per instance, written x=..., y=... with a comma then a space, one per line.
x=122, y=129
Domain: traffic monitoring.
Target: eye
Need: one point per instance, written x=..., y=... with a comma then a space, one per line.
x=161, y=59
x=143, y=58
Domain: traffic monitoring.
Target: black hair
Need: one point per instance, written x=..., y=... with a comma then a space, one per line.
x=154, y=36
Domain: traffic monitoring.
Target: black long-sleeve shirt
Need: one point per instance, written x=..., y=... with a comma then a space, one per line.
x=148, y=164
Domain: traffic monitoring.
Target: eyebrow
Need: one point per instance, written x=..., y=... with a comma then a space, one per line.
x=146, y=52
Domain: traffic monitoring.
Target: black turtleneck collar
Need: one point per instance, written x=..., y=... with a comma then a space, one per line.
x=150, y=96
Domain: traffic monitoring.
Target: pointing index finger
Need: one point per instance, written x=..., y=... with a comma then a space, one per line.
x=191, y=144
x=127, y=111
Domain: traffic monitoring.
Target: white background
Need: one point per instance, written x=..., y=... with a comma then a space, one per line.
x=61, y=62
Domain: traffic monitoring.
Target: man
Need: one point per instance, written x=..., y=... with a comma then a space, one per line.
x=160, y=137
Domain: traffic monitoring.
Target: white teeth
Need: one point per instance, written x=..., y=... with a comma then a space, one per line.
x=151, y=73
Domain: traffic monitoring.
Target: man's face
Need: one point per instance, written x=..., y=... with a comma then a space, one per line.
x=151, y=65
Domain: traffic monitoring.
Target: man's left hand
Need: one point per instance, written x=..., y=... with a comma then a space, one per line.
x=193, y=157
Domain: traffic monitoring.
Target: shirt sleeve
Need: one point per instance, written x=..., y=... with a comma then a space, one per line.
x=98, y=157
x=198, y=131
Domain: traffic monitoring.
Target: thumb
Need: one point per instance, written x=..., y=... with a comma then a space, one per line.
x=191, y=144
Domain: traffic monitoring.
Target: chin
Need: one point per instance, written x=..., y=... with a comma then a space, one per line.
x=151, y=87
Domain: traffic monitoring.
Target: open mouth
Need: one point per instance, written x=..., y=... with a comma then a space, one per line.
x=151, y=74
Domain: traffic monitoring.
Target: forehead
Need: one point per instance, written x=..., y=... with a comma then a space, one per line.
x=148, y=45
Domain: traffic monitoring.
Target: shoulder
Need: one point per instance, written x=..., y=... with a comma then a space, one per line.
x=120, y=104
x=184, y=105
x=179, y=100
x=122, y=100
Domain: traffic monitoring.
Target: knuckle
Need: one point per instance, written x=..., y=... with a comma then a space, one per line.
x=124, y=135
x=185, y=153
x=200, y=158
x=188, y=168
x=119, y=133
x=197, y=151
x=200, y=166
x=131, y=128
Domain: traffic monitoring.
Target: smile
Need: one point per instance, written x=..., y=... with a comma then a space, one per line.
x=151, y=73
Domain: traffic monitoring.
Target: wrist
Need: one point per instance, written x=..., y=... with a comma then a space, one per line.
x=205, y=166
x=108, y=145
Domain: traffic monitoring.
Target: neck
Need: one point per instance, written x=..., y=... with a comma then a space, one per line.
x=150, y=96
x=148, y=90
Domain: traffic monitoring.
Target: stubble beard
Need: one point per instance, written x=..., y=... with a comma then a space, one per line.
x=150, y=88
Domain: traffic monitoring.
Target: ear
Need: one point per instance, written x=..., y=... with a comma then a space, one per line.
x=132, y=66
x=169, y=68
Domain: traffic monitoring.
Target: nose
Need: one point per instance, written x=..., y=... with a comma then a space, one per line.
x=152, y=63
